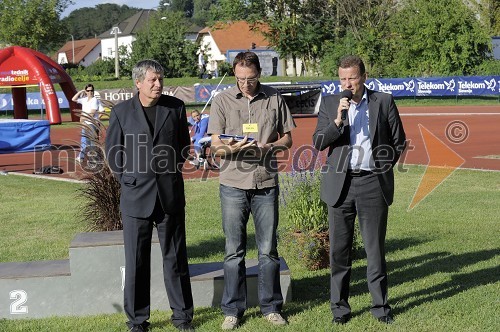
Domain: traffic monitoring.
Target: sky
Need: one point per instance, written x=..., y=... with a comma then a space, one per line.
x=146, y=4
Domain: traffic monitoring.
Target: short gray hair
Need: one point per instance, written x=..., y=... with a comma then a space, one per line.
x=140, y=69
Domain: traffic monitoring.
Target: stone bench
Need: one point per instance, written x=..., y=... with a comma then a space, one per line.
x=91, y=281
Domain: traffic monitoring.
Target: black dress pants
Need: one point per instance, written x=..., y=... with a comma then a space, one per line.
x=137, y=234
x=361, y=196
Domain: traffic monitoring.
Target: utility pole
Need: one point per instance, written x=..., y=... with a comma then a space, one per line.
x=73, y=47
x=115, y=31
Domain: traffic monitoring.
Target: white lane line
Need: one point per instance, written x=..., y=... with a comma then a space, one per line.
x=445, y=114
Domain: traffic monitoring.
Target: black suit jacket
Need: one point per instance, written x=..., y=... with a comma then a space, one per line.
x=387, y=138
x=148, y=165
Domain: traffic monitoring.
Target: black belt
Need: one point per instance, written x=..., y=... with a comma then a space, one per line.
x=359, y=173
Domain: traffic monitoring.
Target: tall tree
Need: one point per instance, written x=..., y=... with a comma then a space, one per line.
x=163, y=39
x=298, y=29
x=201, y=12
x=184, y=6
x=363, y=29
x=89, y=22
x=489, y=13
x=439, y=37
x=32, y=23
x=228, y=10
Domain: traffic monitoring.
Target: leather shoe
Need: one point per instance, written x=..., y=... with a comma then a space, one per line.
x=342, y=319
x=386, y=319
x=185, y=327
x=138, y=328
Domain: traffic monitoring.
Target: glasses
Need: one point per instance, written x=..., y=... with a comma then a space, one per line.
x=248, y=80
x=89, y=90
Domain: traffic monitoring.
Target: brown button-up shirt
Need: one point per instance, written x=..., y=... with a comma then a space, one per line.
x=228, y=112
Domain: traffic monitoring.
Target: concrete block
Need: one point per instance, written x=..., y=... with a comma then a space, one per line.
x=91, y=281
x=35, y=289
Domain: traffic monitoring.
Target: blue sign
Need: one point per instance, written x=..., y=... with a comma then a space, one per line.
x=34, y=101
x=427, y=87
x=436, y=86
x=480, y=85
x=398, y=87
x=203, y=92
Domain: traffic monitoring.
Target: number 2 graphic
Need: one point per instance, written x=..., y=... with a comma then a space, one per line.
x=20, y=298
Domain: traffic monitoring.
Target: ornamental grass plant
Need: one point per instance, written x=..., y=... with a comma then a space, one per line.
x=307, y=229
x=100, y=207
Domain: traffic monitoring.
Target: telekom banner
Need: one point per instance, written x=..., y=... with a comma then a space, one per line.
x=398, y=87
x=427, y=87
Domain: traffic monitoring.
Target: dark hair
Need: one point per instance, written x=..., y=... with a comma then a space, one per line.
x=247, y=59
x=89, y=86
x=352, y=61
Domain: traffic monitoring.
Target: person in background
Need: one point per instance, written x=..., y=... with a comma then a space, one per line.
x=147, y=142
x=363, y=147
x=249, y=184
x=90, y=107
x=201, y=64
x=199, y=138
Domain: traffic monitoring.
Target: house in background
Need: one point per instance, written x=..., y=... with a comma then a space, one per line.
x=85, y=52
x=127, y=31
x=221, y=42
x=192, y=32
x=216, y=41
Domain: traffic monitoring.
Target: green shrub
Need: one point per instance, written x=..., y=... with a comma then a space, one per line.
x=488, y=67
x=225, y=68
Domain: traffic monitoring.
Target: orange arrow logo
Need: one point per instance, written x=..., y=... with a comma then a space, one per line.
x=442, y=162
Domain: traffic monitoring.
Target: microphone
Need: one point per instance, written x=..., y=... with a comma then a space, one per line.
x=345, y=94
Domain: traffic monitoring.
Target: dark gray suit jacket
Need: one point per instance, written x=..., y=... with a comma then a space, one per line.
x=148, y=165
x=387, y=138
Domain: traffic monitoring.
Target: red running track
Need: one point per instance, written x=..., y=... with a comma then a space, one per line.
x=470, y=131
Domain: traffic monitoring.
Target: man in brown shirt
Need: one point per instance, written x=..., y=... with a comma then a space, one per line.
x=249, y=184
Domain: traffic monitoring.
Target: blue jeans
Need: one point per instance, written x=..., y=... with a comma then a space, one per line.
x=237, y=204
x=85, y=140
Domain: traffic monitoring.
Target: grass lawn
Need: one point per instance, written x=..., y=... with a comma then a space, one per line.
x=443, y=257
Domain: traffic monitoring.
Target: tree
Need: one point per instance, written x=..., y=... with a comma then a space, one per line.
x=285, y=29
x=184, y=6
x=89, y=22
x=495, y=17
x=489, y=13
x=434, y=38
x=298, y=29
x=34, y=24
x=163, y=39
x=366, y=33
x=201, y=12
x=228, y=10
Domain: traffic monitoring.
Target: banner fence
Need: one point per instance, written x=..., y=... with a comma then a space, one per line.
x=455, y=86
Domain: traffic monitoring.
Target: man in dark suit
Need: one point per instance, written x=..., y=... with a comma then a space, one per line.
x=147, y=142
x=359, y=181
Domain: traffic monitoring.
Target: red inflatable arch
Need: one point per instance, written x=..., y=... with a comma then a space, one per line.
x=21, y=66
